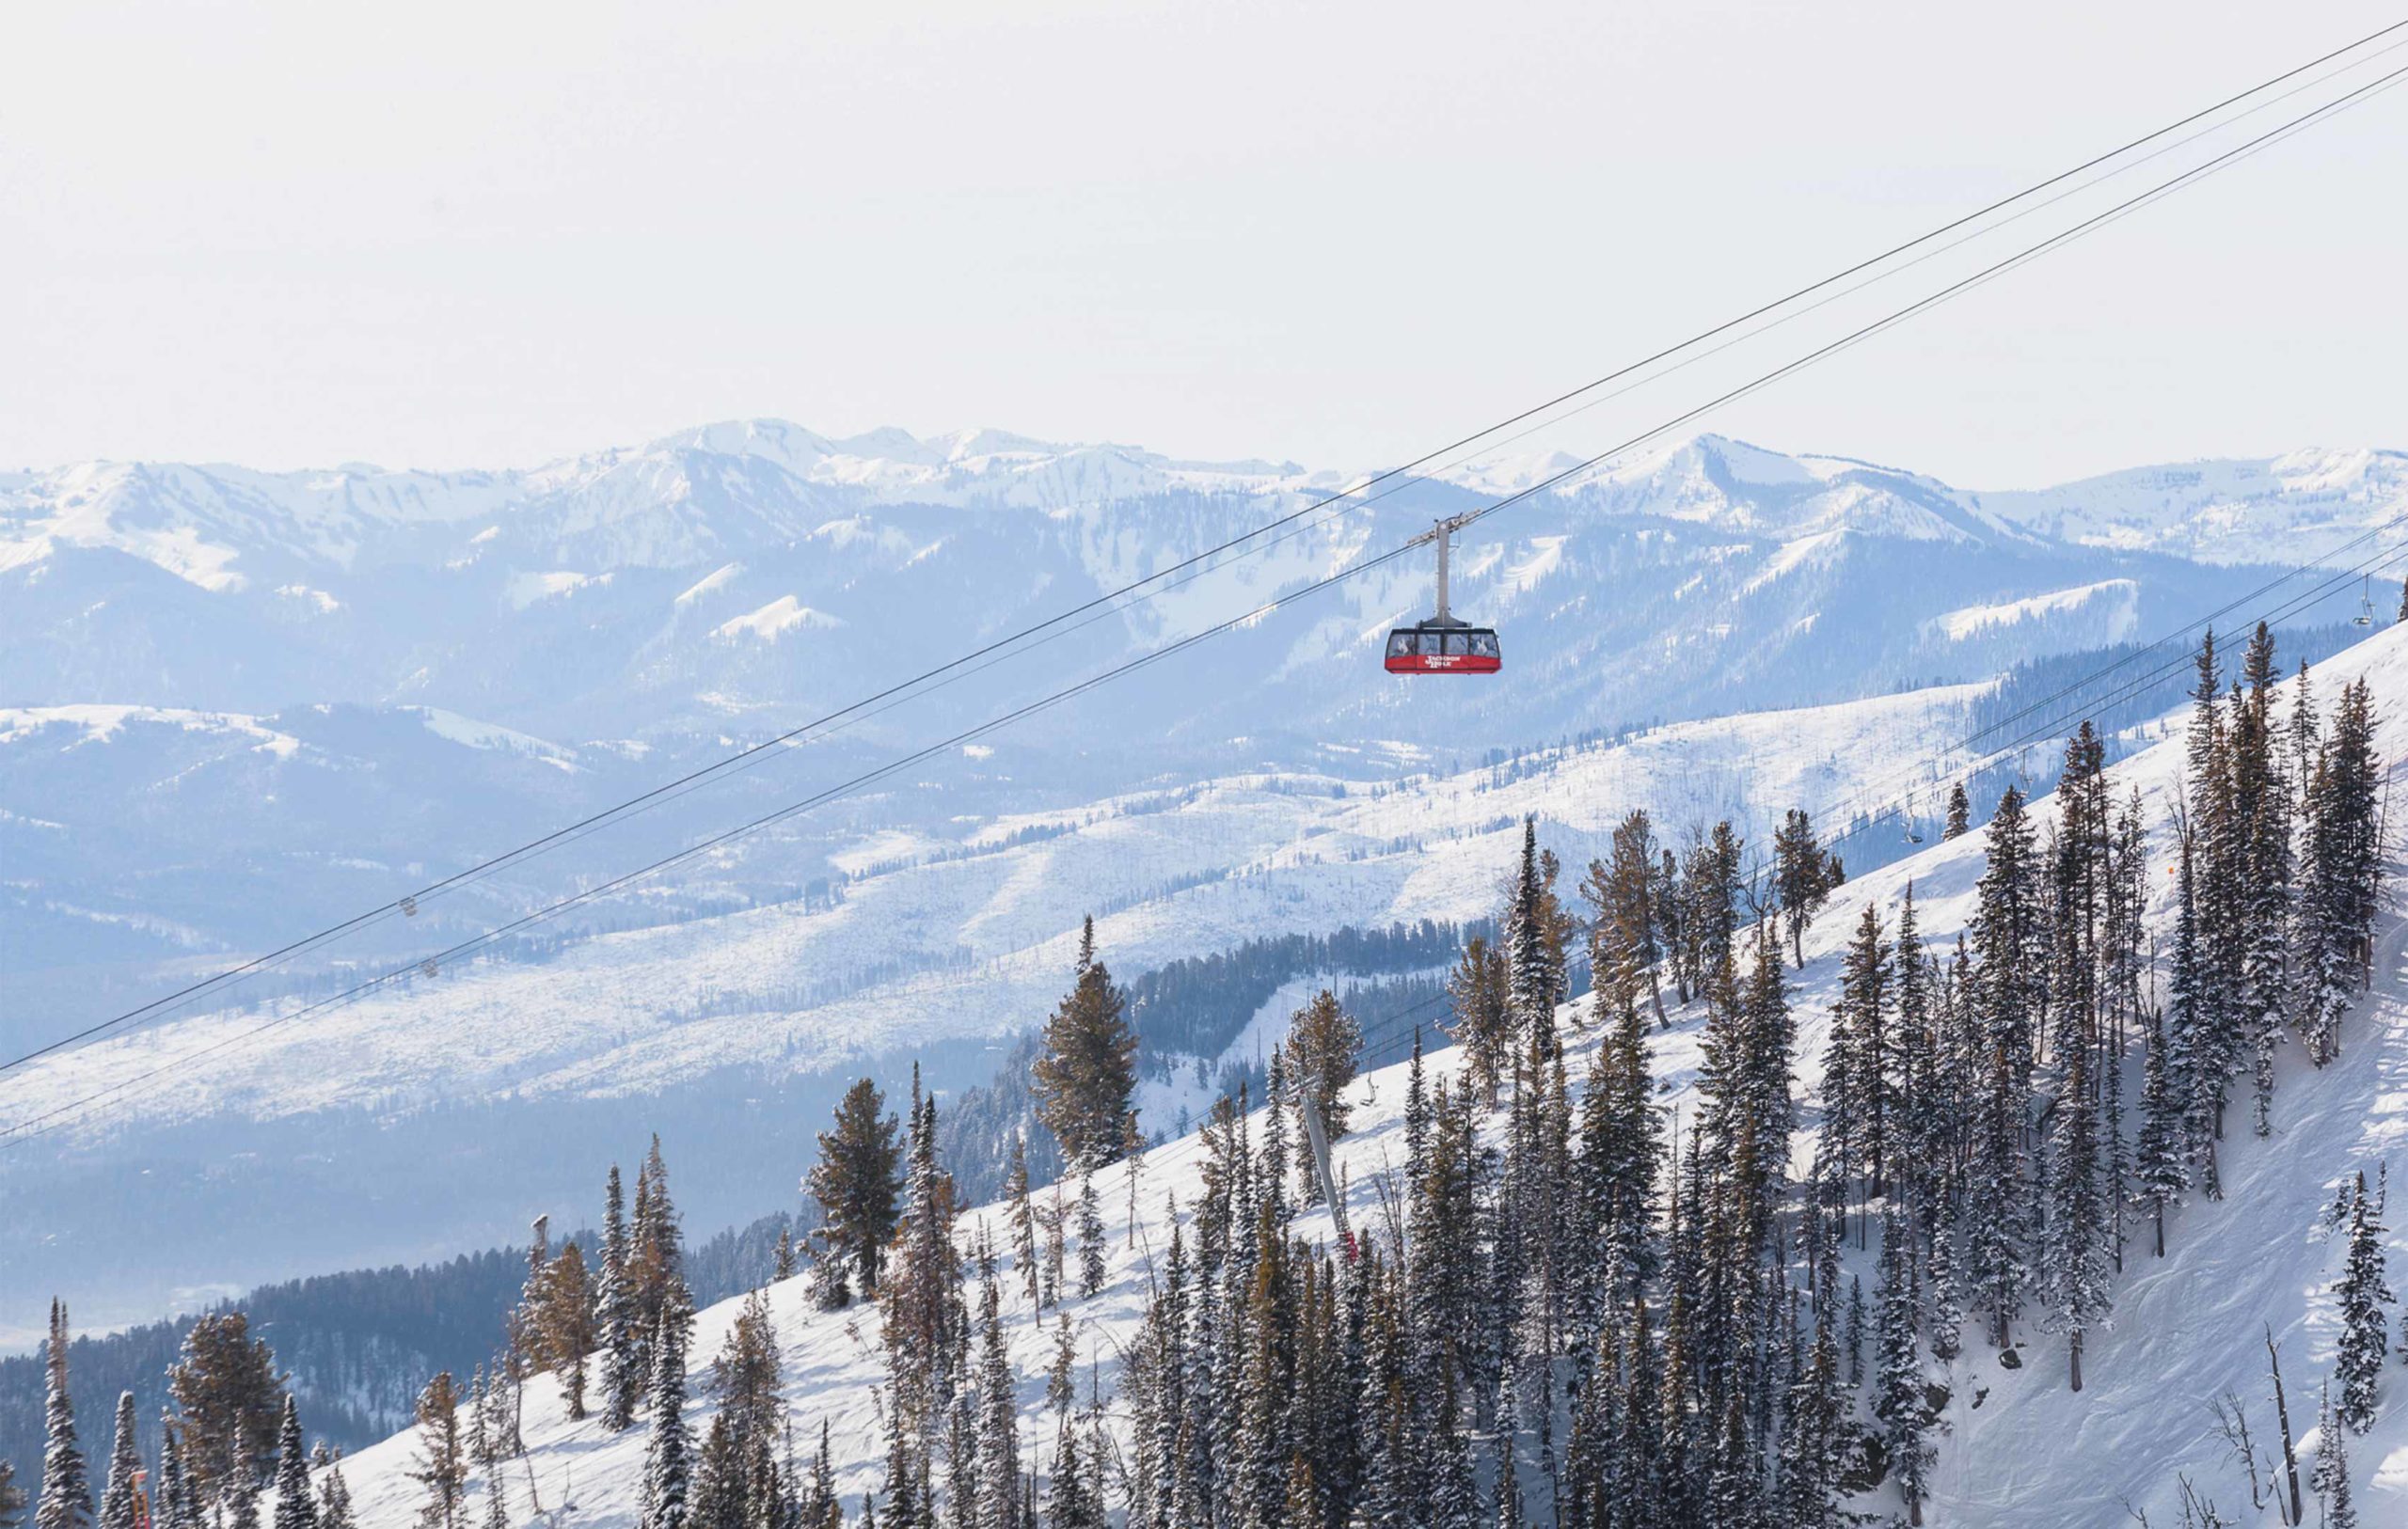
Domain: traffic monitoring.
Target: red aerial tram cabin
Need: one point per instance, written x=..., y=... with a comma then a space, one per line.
x=1431, y=649
x=1442, y=644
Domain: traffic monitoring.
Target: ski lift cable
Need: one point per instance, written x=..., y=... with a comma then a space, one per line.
x=2136, y=655
x=40, y=1123
x=407, y=904
x=2125, y=691
x=1920, y=770
x=1886, y=808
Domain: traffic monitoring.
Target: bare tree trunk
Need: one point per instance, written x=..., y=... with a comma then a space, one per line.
x=2073, y=1356
x=2283, y=1415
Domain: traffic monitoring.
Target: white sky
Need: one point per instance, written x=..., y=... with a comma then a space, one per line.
x=1336, y=230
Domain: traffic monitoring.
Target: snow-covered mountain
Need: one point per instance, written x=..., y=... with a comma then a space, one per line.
x=637, y=613
x=2018, y=1448
x=2303, y=504
x=754, y=571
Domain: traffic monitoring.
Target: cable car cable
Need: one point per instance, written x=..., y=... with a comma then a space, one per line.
x=408, y=902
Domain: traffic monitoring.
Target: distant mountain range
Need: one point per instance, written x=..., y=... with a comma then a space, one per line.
x=238, y=705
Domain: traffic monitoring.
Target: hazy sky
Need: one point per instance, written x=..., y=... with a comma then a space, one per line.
x=488, y=234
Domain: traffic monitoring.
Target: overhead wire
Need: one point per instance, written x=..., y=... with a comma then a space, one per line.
x=39, y=1124
x=669, y=790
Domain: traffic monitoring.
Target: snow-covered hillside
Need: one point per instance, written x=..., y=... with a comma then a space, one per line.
x=2021, y=1448
x=2310, y=503
x=992, y=907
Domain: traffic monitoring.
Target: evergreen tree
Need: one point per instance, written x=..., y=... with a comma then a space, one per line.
x=2073, y=1246
x=1072, y=1506
x=2331, y=1475
x=66, y=1485
x=2160, y=1168
x=2362, y=1293
x=442, y=1466
x=615, y=1314
x=668, y=1451
x=171, y=1508
x=1534, y=925
x=716, y=1498
x=855, y=1184
x=1861, y=1073
x=2341, y=875
x=1091, y=1238
x=1324, y=1044
x=117, y=1510
x=333, y=1501
x=745, y=1378
x=1086, y=1075
x=1477, y=992
x=1804, y=875
x=561, y=1332
x=1022, y=1219
x=1900, y=1401
x=294, y=1509
x=12, y=1498
x=1960, y=813
x=998, y=1493
x=1624, y=943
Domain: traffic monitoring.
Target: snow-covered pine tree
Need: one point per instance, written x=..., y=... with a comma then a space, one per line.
x=1478, y=996
x=716, y=1498
x=65, y=1484
x=925, y=1324
x=1900, y=1401
x=1092, y=1239
x=1022, y=1218
x=745, y=1381
x=2341, y=874
x=294, y=1508
x=615, y=1314
x=2363, y=1292
x=1859, y=1070
x=2074, y=1258
x=12, y=1498
x=668, y=1459
x=1055, y=1218
x=334, y=1502
x=1072, y=1504
x=998, y=1455
x=1324, y=1048
x=1533, y=951
x=659, y=1246
x=1804, y=875
x=1623, y=937
x=854, y=1183
x=2261, y=807
x=168, y=1506
x=2006, y=995
x=1710, y=896
x=117, y=1499
x=1087, y=1074
x=1960, y=813
x=2161, y=1171
x=442, y=1466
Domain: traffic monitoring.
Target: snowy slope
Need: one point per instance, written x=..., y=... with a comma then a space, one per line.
x=990, y=922
x=2031, y=1453
x=2309, y=502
